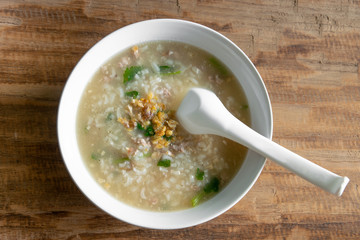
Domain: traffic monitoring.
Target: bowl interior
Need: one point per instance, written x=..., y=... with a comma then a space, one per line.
x=154, y=30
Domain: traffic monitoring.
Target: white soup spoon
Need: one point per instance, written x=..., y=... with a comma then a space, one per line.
x=201, y=112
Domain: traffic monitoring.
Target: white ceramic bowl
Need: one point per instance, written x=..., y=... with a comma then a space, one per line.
x=153, y=30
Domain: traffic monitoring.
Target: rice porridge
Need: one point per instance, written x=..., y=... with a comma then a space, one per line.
x=129, y=136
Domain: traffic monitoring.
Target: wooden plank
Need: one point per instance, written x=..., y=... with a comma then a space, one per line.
x=308, y=53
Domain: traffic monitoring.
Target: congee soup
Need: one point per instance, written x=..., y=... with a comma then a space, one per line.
x=131, y=141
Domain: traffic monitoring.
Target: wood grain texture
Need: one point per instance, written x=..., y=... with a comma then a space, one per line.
x=308, y=53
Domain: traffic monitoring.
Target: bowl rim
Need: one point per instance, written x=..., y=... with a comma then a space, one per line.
x=154, y=224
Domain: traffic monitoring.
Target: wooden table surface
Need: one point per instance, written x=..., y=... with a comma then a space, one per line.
x=308, y=53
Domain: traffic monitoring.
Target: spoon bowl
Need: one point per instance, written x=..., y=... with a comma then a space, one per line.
x=201, y=112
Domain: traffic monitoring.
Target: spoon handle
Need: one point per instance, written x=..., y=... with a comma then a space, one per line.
x=329, y=181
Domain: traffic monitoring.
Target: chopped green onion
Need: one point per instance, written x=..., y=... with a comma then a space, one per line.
x=139, y=126
x=218, y=66
x=173, y=73
x=130, y=73
x=110, y=116
x=197, y=198
x=121, y=160
x=94, y=156
x=167, y=70
x=199, y=174
x=164, y=163
x=168, y=138
x=132, y=94
x=245, y=106
x=212, y=186
x=149, y=131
